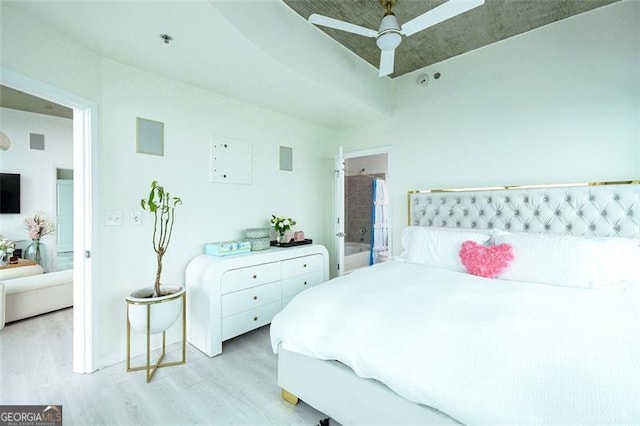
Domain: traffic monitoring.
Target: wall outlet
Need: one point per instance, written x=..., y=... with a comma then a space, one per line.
x=135, y=218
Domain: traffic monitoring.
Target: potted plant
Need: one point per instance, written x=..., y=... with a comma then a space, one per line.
x=165, y=302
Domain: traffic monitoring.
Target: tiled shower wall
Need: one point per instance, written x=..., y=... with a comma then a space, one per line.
x=358, y=205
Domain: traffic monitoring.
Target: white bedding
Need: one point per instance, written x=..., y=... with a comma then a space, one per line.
x=482, y=351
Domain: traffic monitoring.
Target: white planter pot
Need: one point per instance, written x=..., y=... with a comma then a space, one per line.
x=164, y=310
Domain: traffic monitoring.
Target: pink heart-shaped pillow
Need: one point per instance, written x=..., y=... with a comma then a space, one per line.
x=486, y=261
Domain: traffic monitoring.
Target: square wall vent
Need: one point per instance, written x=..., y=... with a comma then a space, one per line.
x=36, y=141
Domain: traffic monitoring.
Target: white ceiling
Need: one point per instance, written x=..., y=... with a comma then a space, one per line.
x=257, y=51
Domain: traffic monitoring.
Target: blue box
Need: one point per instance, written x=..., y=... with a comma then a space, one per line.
x=227, y=248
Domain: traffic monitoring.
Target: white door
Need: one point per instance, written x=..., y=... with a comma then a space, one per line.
x=64, y=212
x=339, y=214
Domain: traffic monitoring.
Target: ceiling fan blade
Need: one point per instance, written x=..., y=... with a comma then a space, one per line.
x=438, y=14
x=325, y=21
x=387, y=58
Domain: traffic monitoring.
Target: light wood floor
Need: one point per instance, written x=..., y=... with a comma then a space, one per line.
x=237, y=387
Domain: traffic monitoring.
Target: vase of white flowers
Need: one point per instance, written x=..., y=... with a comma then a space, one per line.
x=6, y=250
x=37, y=227
x=282, y=225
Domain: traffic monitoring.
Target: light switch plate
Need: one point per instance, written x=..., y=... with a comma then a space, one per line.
x=113, y=218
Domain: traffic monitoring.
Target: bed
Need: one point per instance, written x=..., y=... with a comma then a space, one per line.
x=554, y=339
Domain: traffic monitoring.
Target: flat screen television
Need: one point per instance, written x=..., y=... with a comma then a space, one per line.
x=9, y=193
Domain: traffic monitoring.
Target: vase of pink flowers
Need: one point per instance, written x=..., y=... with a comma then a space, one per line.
x=37, y=227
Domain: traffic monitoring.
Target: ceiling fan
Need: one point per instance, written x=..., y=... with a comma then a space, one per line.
x=390, y=33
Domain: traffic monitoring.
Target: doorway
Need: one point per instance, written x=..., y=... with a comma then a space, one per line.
x=84, y=136
x=364, y=210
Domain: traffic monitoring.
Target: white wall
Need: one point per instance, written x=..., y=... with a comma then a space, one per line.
x=559, y=104
x=372, y=164
x=36, y=168
x=124, y=258
x=30, y=46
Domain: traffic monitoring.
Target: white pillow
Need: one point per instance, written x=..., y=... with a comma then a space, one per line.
x=620, y=260
x=438, y=246
x=564, y=260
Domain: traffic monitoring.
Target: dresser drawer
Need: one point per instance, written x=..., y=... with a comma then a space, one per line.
x=301, y=265
x=237, y=324
x=250, y=298
x=293, y=286
x=251, y=276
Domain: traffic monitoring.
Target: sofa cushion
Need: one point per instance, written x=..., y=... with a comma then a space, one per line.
x=22, y=271
x=2, y=304
x=34, y=295
x=34, y=282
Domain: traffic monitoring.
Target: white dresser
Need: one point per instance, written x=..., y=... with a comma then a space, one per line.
x=228, y=296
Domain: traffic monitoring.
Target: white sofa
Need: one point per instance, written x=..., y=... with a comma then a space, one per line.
x=26, y=292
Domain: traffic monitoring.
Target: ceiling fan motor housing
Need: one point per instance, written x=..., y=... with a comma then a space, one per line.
x=389, y=33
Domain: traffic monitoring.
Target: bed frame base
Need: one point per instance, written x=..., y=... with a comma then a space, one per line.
x=333, y=389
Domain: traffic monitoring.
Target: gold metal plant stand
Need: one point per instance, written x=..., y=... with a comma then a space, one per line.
x=151, y=369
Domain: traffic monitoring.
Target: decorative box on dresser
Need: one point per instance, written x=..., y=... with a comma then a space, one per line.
x=229, y=296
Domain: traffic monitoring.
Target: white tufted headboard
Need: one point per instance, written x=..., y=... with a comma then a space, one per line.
x=590, y=209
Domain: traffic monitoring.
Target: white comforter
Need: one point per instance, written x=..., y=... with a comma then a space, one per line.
x=482, y=351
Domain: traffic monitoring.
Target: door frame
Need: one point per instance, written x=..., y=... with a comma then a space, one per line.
x=346, y=155
x=84, y=142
